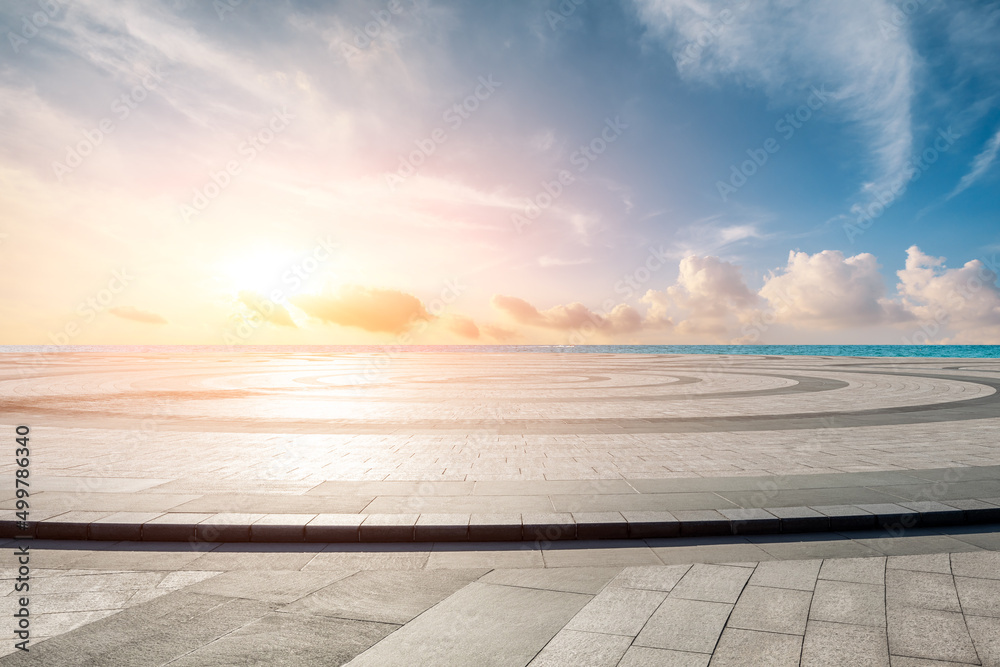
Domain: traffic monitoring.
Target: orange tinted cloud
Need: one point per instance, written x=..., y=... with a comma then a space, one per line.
x=622, y=319
x=367, y=308
x=136, y=315
x=269, y=310
x=463, y=326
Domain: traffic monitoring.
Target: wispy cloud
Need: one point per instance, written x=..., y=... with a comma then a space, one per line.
x=980, y=165
x=786, y=48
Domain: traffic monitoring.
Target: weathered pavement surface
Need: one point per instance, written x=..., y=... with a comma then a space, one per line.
x=303, y=435
x=929, y=597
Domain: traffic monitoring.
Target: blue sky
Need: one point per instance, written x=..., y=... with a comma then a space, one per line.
x=780, y=172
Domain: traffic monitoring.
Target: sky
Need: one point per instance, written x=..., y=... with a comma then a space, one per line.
x=527, y=172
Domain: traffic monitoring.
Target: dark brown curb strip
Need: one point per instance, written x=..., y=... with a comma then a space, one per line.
x=371, y=528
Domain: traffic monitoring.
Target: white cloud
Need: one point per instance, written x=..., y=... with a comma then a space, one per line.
x=980, y=165
x=785, y=48
x=709, y=297
x=830, y=291
x=962, y=304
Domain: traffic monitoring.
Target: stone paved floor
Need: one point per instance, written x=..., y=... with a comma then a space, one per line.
x=298, y=432
x=296, y=420
x=925, y=598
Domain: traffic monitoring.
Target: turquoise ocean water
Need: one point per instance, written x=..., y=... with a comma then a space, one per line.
x=977, y=351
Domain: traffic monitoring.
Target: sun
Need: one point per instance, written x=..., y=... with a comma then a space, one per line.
x=259, y=270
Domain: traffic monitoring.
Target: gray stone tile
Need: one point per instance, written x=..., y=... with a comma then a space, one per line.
x=752, y=648
x=979, y=564
x=848, y=602
x=221, y=560
x=771, y=610
x=712, y=553
x=618, y=611
x=940, y=563
x=651, y=577
x=290, y=639
x=800, y=519
x=494, y=527
x=384, y=596
x=985, y=633
x=842, y=645
x=845, y=517
x=480, y=624
x=924, y=590
x=642, y=656
x=334, y=528
x=589, y=580
x=485, y=554
x=172, y=527
x=912, y=545
x=394, y=557
x=570, y=648
x=600, y=525
x=388, y=527
x=341, y=488
x=280, y=528
x=904, y=661
x=155, y=632
x=641, y=502
x=652, y=524
x=441, y=528
x=795, y=574
x=461, y=505
x=685, y=625
x=278, y=586
x=545, y=527
x=712, y=583
x=600, y=556
x=696, y=523
x=929, y=633
x=752, y=521
x=857, y=570
x=550, y=487
x=979, y=597
x=833, y=547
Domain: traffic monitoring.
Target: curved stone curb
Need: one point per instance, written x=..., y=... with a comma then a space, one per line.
x=370, y=528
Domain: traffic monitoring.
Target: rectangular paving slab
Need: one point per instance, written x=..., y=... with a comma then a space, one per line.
x=481, y=624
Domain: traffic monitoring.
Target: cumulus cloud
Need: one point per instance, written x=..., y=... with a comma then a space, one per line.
x=710, y=297
x=830, y=291
x=575, y=316
x=463, y=326
x=137, y=315
x=784, y=48
x=964, y=302
x=269, y=310
x=822, y=292
x=371, y=309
